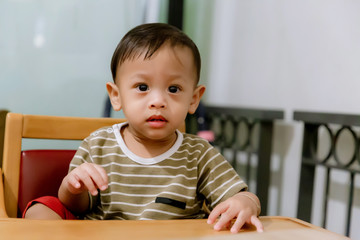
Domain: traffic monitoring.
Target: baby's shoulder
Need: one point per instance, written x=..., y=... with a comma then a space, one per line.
x=194, y=141
x=101, y=136
x=104, y=131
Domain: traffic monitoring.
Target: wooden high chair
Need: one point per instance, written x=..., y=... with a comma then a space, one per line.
x=34, y=173
x=2, y=130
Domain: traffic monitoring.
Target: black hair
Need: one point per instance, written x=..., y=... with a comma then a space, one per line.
x=149, y=38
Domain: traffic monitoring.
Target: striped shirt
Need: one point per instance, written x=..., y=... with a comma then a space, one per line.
x=170, y=186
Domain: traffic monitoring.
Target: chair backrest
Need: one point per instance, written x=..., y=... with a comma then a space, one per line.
x=36, y=168
x=235, y=131
x=330, y=161
x=29, y=174
x=2, y=132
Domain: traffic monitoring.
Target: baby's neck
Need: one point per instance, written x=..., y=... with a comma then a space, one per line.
x=146, y=148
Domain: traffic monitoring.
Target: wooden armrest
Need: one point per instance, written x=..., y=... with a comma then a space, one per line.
x=2, y=198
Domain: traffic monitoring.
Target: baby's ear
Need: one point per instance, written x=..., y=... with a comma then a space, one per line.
x=198, y=93
x=114, y=95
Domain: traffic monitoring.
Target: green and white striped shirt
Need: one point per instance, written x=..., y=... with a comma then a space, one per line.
x=170, y=186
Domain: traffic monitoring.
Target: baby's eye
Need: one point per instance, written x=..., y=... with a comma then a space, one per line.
x=142, y=87
x=174, y=89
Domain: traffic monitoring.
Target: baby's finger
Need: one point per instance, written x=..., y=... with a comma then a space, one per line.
x=88, y=182
x=240, y=221
x=228, y=225
x=97, y=176
x=73, y=182
x=225, y=218
x=215, y=213
x=100, y=178
x=257, y=223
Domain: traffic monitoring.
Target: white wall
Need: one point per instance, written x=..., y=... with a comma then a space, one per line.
x=55, y=55
x=289, y=55
x=286, y=54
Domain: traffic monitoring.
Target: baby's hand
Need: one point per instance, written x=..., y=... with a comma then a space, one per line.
x=243, y=208
x=86, y=177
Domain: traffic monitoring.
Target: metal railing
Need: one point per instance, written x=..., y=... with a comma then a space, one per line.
x=333, y=126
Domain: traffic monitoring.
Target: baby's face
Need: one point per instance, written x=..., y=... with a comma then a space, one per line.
x=157, y=93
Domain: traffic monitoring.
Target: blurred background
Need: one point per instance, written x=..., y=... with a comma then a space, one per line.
x=289, y=55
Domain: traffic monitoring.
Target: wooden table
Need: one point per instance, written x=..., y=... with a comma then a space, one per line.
x=275, y=228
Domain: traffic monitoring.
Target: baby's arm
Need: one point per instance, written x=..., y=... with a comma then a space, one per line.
x=73, y=191
x=244, y=206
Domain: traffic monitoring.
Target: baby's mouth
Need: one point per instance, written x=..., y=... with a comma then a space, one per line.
x=156, y=118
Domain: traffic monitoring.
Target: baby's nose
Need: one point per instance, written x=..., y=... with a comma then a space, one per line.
x=158, y=100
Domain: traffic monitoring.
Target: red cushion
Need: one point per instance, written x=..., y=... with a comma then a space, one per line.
x=41, y=173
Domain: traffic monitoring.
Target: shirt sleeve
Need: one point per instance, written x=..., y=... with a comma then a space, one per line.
x=217, y=178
